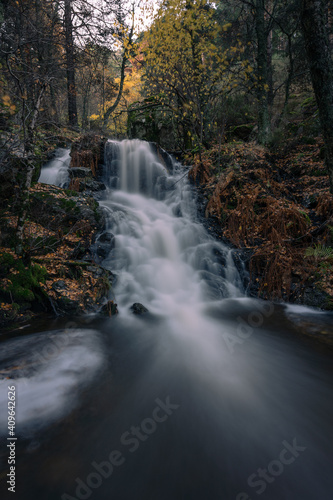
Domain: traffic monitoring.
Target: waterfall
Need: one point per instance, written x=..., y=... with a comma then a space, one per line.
x=164, y=256
x=211, y=396
x=56, y=170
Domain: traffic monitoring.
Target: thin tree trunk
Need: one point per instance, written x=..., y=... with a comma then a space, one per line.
x=111, y=109
x=35, y=115
x=262, y=74
x=290, y=74
x=85, y=111
x=85, y=106
x=314, y=28
x=70, y=66
x=270, y=95
x=54, y=108
x=28, y=166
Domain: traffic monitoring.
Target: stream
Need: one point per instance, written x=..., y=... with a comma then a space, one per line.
x=210, y=395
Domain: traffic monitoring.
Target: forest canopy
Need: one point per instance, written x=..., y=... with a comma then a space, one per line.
x=187, y=74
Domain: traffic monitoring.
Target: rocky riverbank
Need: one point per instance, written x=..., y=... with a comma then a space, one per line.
x=59, y=272
x=277, y=213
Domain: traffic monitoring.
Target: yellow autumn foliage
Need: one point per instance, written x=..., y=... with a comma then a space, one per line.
x=6, y=100
x=186, y=66
x=131, y=93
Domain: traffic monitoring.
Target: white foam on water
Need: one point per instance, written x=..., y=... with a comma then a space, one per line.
x=48, y=371
x=298, y=309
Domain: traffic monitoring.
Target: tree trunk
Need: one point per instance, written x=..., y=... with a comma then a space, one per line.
x=28, y=168
x=270, y=84
x=313, y=20
x=111, y=109
x=54, y=108
x=70, y=66
x=85, y=107
x=264, y=125
x=290, y=74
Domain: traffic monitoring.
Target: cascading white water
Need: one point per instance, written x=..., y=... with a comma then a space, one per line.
x=55, y=172
x=165, y=258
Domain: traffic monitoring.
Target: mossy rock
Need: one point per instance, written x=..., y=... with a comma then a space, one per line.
x=22, y=282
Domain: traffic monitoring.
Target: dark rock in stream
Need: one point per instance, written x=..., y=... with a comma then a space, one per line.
x=138, y=308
